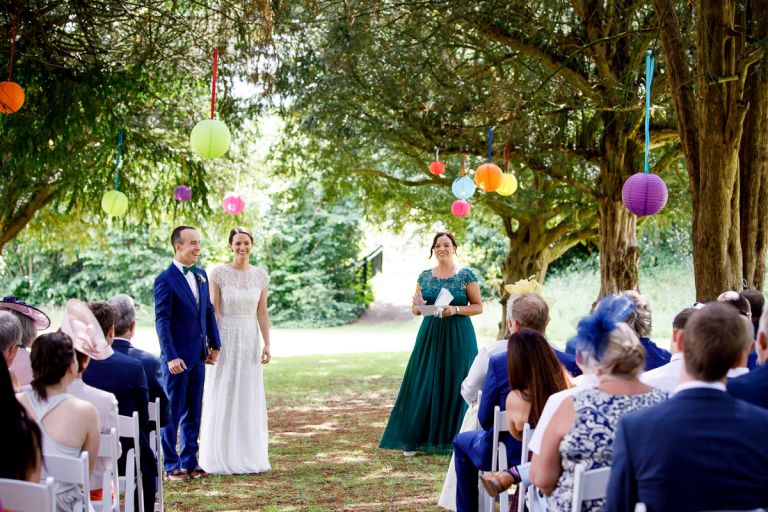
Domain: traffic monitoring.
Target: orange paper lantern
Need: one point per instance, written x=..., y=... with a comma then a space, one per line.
x=488, y=177
x=11, y=97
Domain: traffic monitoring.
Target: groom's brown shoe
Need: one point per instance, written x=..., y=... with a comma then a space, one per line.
x=197, y=472
x=177, y=475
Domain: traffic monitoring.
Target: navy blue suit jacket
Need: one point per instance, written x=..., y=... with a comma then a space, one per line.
x=568, y=361
x=700, y=450
x=752, y=387
x=654, y=355
x=184, y=329
x=152, y=370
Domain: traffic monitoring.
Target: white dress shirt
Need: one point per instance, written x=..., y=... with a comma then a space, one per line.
x=479, y=369
x=667, y=376
x=190, y=277
x=737, y=372
x=106, y=404
x=694, y=384
x=588, y=380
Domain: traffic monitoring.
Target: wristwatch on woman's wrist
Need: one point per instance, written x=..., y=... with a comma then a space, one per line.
x=457, y=310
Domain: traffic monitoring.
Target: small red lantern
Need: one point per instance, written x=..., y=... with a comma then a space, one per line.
x=437, y=168
x=233, y=203
x=460, y=208
x=11, y=97
x=488, y=177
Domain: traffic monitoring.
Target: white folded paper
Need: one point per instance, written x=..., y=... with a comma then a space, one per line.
x=444, y=297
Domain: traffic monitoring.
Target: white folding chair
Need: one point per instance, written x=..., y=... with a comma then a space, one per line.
x=127, y=483
x=26, y=496
x=589, y=485
x=499, y=457
x=108, y=448
x=71, y=470
x=527, y=435
x=128, y=426
x=154, y=443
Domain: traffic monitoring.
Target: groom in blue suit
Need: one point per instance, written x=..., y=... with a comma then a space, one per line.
x=189, y=339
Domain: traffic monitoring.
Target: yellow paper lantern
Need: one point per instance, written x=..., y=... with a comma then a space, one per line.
x=115, y=203
x=508, y=185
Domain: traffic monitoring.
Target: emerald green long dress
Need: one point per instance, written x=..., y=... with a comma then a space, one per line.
x=429, y=407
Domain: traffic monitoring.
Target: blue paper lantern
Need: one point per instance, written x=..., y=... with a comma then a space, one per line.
x=463, y=187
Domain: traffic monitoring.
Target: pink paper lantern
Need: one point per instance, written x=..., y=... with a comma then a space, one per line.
x=437, y=167
x=182, y=193
x=233, y=203
x=460, y=208
x=644, y=194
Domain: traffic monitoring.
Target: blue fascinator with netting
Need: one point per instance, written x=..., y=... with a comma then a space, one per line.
x=593, y=330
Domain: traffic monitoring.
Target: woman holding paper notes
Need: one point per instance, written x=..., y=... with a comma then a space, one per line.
x=429, y=408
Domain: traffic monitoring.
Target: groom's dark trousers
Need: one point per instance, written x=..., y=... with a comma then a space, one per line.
x=186, y=328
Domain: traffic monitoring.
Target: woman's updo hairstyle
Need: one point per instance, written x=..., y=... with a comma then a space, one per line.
x=624, y=356
x=52, y=355
x=239, y=230
x=438, y=235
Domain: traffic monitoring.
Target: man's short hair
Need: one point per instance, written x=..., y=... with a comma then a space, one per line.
x=10, y=332
x=103, y=314
x=530, y=311
x=682, y=318
x=756, y=301
x=714, y=341
x=176, y=235
x=736, y=300
x=125, y=312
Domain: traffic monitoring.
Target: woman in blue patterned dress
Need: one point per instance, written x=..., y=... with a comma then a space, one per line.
x=583, y=429
x=429, y=408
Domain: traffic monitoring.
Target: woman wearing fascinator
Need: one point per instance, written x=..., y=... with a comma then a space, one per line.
x=583, y=428
x=32, y=320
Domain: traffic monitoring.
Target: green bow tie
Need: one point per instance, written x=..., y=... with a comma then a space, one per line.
x=190, y=268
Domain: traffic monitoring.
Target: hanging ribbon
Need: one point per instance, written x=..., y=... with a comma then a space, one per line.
x=183, y=167
x=437, y=154
x=463, y=164
x=649, y=62
x=490, y=143
x=213, y=80
x=119, y=149
x=13, y=47
x=506, y=158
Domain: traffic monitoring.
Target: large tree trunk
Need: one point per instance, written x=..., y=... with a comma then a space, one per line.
x=619, y=255
x=753, y=165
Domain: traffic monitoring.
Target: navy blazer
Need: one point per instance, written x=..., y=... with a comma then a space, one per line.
x=185, y=330
x=700, y=450
x=568, y=361
x=655, y=356
x=152, y=370
x=752, y=387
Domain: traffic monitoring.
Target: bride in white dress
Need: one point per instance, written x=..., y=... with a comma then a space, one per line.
x=233, y=436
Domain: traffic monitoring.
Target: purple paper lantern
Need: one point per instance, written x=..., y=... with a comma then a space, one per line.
x=182, y=193
x=233, y=203
x=644, y=194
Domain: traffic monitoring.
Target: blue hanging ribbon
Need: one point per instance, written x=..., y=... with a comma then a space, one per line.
x=119, y=148
x=649, y=62
x=490, y=142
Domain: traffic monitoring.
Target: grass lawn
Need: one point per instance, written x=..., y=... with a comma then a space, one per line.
x=326, y=415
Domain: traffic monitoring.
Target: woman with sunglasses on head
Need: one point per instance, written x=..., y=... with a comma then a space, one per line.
x=429, y=407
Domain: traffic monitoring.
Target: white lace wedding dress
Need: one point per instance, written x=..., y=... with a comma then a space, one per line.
x=233, y=433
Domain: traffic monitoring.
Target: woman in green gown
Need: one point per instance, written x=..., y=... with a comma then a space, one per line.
x=429, y=407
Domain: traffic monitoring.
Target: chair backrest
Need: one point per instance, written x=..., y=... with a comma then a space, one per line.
x=26, y=496
x=589, y=485
x=127, y=483
x=154, y=443
x=108, y=448
x=499, y=426
x=128, y=426
x=71, y=470
x=527, y=435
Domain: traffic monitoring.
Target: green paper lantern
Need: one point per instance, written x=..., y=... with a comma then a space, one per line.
x=210, y=138
x=115, y=203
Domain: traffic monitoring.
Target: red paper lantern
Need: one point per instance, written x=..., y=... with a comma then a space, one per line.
x=488, y=177
x=182, y=193
x=460, y=208
x=11, y=97
x=233, y=203
x=437, y=167
x=644, y=194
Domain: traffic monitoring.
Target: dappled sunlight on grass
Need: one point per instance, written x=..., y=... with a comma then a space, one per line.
x=353, y=457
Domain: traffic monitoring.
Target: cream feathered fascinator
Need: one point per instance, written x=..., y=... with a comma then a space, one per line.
x=79, y=324
x=530, y=285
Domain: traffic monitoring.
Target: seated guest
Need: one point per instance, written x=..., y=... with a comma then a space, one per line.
x=82, y=327
x=582, y=429
x=756, y=302
x=69, y=425
x=125, y=326
x=753, y=387
x=743, y=307
x=124, y=377
x=32, y=320
x=702, y=449
x=640, y=322
x=10, y=337
x=666, y=377
x=534, y=374
x=473, y=448
x=21, y=458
